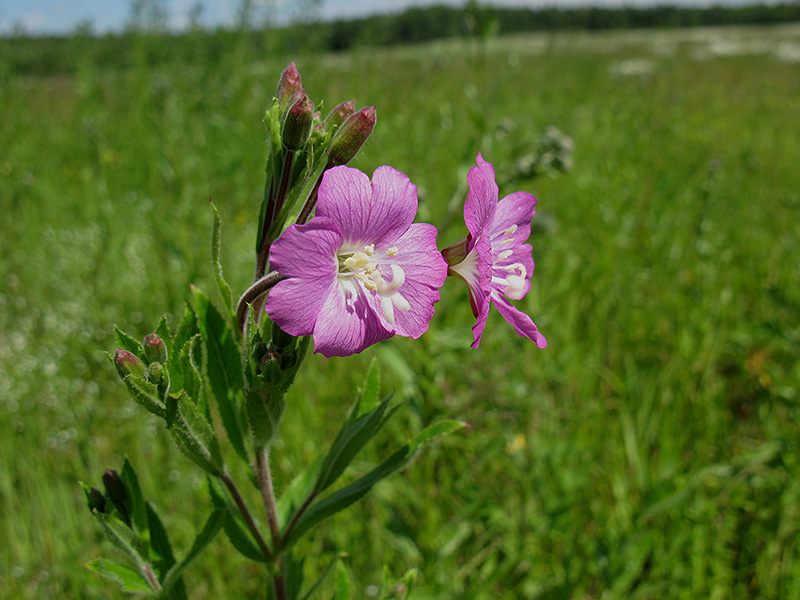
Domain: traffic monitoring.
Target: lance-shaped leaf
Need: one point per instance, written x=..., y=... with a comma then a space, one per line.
x=354, y=435
x=356, y=490
x=222, y=285
x=334, y=561
x=211, y=528
x=342, y=590
x=264, y=407
x=123, y=538
x=187, y=329
x=194, y=436
x=223, y=367
x=165, y=558
x=370, y=389
x=126, y=342
x=234, y=528
x=134, y=498
x=129, y=580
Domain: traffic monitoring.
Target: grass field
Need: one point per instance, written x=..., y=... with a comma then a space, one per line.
x=651, y=451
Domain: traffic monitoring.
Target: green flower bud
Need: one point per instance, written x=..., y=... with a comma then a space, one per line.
x=155, y=349
x=338, y=115
x=351, y=135
x=128, y=363
x=95, y=500
x=280, y=339
x=297, y=125
x=155, y=373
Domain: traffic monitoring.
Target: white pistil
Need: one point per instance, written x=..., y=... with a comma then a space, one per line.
x=514, y=282
x=358, y=266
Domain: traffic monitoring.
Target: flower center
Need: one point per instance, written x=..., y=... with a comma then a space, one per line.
x=360, y=268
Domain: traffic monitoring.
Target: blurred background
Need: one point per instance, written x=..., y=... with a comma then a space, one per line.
x=651, y=451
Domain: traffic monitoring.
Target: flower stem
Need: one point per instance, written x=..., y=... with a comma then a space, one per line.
x=248, y=518
x=305, y=212
x=268, y=495
x=252, y=294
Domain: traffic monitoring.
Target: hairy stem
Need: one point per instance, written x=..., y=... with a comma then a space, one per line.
x=268, y=495
x=151, y=577
x=253, y=294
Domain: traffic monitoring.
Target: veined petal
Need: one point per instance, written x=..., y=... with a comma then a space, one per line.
x=481, y=201
x=367, y=212
x=295, y=303
x=307, y=250
x=347, y=326
x=521, y=322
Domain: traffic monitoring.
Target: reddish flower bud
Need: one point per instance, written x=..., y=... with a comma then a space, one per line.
x=95, y=500
x=128, y=363
x=115, y=489
x=289, y=85
x=338, y=115
x=351, y=135
x=297, y=125
x=155, y=350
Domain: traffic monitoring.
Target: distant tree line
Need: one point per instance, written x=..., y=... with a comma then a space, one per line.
x=46, y=55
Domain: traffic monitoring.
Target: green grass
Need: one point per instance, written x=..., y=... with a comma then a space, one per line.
x=649, y=452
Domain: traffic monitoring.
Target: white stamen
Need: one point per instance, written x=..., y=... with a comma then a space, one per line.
x=510, y=231
x=391, y=251
x=505, y=254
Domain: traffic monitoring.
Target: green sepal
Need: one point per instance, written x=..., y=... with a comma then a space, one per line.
x=356, y=490
x=128, y=343
x=237, y=533
x=145, y=394
x=195, y=437
x=136, y=504
x=203, y=539
x=223, y=367
x=128, y=579
x=222, y=285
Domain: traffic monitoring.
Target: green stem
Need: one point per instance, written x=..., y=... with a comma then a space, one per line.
x=151, y=577
x=268, y=495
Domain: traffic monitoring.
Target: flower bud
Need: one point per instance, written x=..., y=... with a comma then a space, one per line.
x=128, y=363
x=95, y=500
x=115, y=489
x=338, y=115
x=289, y=85
x=351, y=135
x=155, y=350
x=280, y=339
x=297, y=125
x=155, y=373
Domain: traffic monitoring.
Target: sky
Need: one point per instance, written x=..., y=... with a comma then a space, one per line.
x=37, y=17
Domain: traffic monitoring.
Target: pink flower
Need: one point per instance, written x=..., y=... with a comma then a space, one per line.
x=360, y=271
x=494, y=259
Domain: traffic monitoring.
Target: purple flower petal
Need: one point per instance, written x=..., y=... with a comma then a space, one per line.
x=482, y=197
x=521, y=322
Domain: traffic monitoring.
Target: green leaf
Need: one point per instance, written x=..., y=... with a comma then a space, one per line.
x=294, y=576
x=342, y=590
x=187, y=329
x=237, y=533
x=370, y=389
x=145, y=394
x=356, y=490
x=298, y=491
x=310, y=593
x=195, y=437
x=210, y=530
x=125, y=577
x=222, y=285
x=122, y=537
x=163, y=332
x=264, y=408
x=224, y=367
x=162, y=548
x=134, y=497
x=353, y=436
x=126, y=342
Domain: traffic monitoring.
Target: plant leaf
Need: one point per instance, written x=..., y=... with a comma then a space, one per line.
x=224, y=367
x=195, y=437
x=145, y=394
x=342, y=590
x=125, y=577
x=264, y=407
x=356, y=490
x=126, y=342
x=122, y=537
x=222, y=285
x=134, y=493
x=210, y=530
x=353, y=436
x=370, y=389
x=187, y=329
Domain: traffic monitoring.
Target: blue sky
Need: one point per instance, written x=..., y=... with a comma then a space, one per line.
x=62, y=16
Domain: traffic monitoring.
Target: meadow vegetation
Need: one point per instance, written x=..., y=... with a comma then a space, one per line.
x=651, y=451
